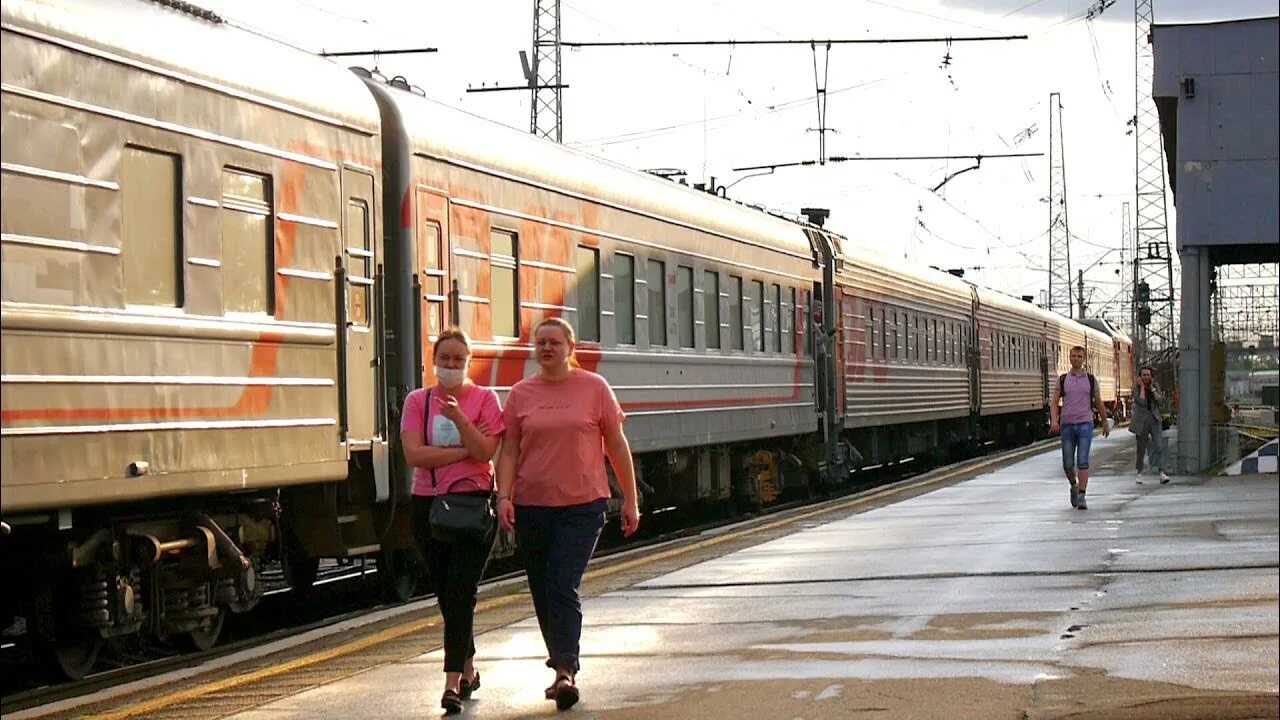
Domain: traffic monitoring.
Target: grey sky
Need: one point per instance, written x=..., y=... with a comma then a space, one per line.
x=709, y=110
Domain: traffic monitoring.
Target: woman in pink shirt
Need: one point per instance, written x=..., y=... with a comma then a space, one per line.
x=450, y=433
x=553, y=490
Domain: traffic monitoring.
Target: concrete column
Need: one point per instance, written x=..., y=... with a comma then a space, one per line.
x=1195, y=451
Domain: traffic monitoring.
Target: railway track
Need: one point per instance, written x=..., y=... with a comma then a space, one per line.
x=342, y=596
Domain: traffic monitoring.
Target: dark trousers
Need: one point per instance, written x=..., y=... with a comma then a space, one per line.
x=455, y=569
x=557, y=543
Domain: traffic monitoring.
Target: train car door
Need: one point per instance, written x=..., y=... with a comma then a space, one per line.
x=363, y=326
x=438, y=301
x=973, y=357
x=1046, y=347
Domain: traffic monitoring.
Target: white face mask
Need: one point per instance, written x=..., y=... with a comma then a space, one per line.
x=451, y=377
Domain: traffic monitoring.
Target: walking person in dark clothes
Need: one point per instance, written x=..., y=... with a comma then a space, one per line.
x=450, y=433
x=1077, y=393
x=1148, y=424
x=561, y=424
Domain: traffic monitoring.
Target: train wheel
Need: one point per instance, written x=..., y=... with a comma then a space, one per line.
x=396, y=575
x=207, y=636
x=299, y=570
x=75, y=656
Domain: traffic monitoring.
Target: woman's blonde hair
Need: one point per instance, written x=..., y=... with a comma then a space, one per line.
x=453, y=333
x=560, y=323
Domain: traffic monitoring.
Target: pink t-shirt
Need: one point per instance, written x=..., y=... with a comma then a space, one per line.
x=561, y=427
x=1077, y=399
x=478, y=404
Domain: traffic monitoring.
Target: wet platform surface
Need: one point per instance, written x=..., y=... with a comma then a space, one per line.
x=989, y=598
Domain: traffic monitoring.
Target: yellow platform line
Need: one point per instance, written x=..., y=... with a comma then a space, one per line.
x=409, y=628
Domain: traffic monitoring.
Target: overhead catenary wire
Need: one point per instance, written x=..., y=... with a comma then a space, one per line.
x=787, y=41
x=872, y=158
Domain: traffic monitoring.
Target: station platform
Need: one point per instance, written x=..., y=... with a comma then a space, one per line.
x=986, y=596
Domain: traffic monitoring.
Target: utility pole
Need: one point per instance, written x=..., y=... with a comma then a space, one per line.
x=1155, y=334
x=1080, y=294
x=546, y=113
x=1059, y=233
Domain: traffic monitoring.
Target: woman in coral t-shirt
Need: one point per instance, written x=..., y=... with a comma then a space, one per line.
x=450, y=433
x=553, y=490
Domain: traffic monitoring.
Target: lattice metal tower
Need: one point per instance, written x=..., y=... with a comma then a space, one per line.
x=1060, y=299
x=545, y=111
x=1155, y=329
x=1126, y=274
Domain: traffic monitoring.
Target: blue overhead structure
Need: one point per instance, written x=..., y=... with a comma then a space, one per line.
x=1218, y=95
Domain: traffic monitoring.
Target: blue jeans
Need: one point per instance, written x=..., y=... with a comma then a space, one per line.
x=557, y=543
x=1076, y=439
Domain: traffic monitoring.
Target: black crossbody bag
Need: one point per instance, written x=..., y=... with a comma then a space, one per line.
x=457, y=517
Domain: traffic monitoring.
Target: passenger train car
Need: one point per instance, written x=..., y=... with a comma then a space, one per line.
x=225, y=260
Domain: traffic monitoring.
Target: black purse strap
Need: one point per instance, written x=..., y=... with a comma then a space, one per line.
x=426, y=435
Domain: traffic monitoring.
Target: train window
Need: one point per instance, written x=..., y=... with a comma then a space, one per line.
x=433, y=278
x=756, y=308
x=916, y=335
x=588, y=267
x=247, y=246
x=871, y=333
x=790, y=317
x=786, y=319
x=624, y=298
x=657, y=284
x=359, y=275
x=894, y=344
x=504, y=293
x=933, y=327
x=884, y=334
x=775, y=312
x=151, y=227
x=735, y=312
x=906, y=336
x=711, y=307
x=684, y=305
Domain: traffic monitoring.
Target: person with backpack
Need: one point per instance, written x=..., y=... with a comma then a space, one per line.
x=1077, y=393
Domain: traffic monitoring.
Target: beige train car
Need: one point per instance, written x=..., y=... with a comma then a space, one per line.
x=1010, y=334
x=907, y=387
x=191, y=222
x=693, y=307
x=1121, y=367
x=126, y=329
x=1100, y=359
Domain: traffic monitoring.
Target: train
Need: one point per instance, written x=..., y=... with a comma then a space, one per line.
x=225, y=260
